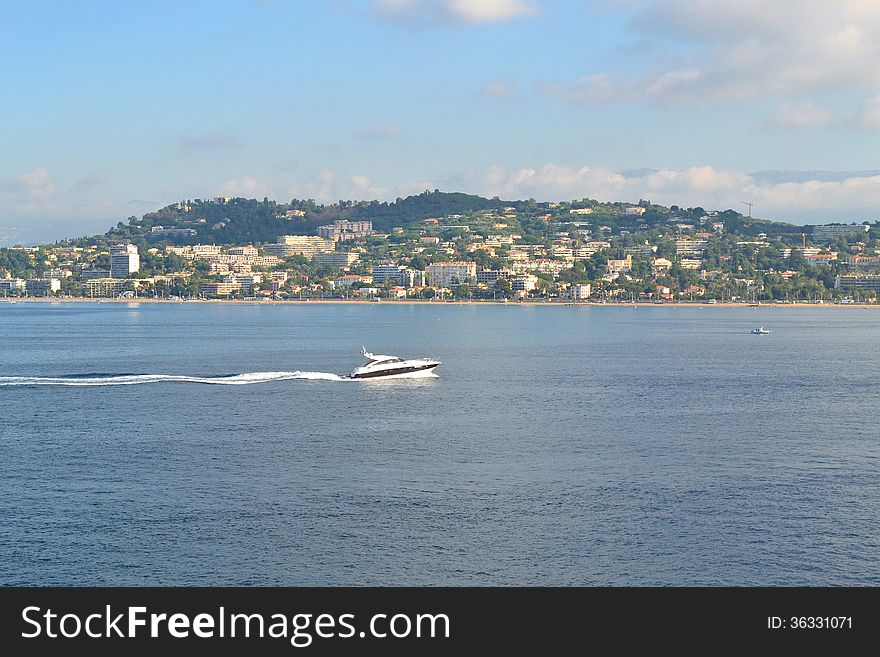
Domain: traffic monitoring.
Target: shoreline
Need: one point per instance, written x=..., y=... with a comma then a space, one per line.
x=404, y=302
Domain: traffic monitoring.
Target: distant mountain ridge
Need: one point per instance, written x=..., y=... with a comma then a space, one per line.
x=225, y=220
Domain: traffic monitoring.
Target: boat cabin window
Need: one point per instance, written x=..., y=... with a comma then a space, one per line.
x=385, y=360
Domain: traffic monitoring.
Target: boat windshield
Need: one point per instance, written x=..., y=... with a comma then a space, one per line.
x=383, y=361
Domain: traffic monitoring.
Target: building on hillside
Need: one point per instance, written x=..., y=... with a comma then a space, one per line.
x=345, y=230
x=305, y=245
x=864, y=264
x=690, y=247
x=336, y=259
x=350, y=280
x=447, y=274
x=491, y=276
x=833, y=231
x=89, y=274
x=247, y=281
x=620, y=265
x=862, y=282
x=201, y=250
x=661, y=264
x=124, y=260
x=248, y=250
x=219, y=289
x=820, y=259
x=104, y=287
x=161, y=231
x=398, y=275
x=524, y=283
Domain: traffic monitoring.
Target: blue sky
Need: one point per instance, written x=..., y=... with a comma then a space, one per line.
x=112, y=110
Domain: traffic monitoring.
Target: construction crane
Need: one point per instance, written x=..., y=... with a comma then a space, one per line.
x=750, y=210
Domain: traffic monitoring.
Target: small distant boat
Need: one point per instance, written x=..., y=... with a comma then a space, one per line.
x=760, y=331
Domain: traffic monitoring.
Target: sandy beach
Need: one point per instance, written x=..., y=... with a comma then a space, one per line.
x=533, y=302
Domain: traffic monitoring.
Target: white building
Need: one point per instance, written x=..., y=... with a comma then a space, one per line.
x=807, y=251
x=661, y=264
x=124, y=260
x=243, y=250
x=289, y=245
x=42, y=285
x=866, y=282
x=104, y=287
x=204, y=249
x=620, y=265
x=491, y=276
x=246, y=281
x=833, y=231
x=689, y=247
x=447, y=274
x=524, y=283
x=350, y=280
x=635, y=210
x=397, y=275
x=345, y=230
x=336, y=259
x=579, y=292
x=12, y=284
x=161, y=231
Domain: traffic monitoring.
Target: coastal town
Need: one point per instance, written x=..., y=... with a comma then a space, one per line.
x=471, y=249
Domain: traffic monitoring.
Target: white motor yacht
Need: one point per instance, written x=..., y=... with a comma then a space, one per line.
x=379, y=365
x=760, y=331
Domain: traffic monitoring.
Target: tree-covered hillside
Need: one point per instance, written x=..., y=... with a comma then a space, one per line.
x=249, y=221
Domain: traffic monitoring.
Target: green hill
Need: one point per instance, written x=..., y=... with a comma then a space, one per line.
x=249, y=221
x=246, y=221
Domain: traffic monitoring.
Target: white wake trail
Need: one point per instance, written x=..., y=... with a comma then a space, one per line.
x=246, y=378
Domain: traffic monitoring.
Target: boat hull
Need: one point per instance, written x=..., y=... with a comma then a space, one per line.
x=413, y=372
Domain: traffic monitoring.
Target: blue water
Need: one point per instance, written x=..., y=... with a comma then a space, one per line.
x=557, y=446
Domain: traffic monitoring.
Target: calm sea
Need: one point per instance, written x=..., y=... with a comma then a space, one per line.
x=557, y=446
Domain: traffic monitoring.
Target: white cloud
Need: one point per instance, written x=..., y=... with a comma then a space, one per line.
x=869, y=116
x=802, y=115
x=452, y=11
x=361, y=182
x=783, y=195
x=742, y=50
x=32, y=209
x=499, y=89
x=485, y=11
x=819, y=196
x=33, y=185
x=325, y=186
